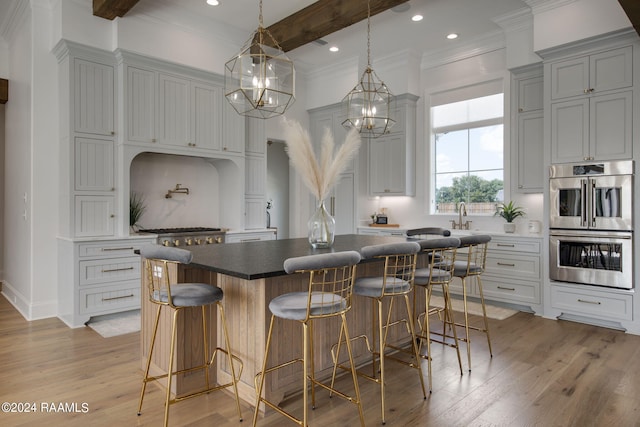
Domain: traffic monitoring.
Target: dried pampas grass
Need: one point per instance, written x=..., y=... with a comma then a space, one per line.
x=319, y=176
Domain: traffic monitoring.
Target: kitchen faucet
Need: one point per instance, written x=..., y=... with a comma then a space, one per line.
x=462, y=211
x=178, y=189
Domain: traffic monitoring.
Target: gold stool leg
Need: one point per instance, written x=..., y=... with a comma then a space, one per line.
x=227, y=344
x=451, y=320
x=426, y=332
x=381, y=346
x=150, y=353
x=262, y=375
x=415, y=346
x=170, y=368
x=354, y=375
x=312, y=364
x=484, y=312
x=466, y=321
x=205, y=343
x=305, y=370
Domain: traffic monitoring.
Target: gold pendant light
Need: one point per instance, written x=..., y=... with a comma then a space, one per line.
x=369, y=105
x=260, y=80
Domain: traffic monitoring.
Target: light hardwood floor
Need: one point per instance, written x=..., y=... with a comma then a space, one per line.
x=543, y=373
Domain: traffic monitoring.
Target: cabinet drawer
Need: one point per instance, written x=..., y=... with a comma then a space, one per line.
x=250, y=237
x=111, y=249
x=587, y=302
x=93, y=272
x=518, y=266
x=519, y=291
x=110, y=298
x=531, y=246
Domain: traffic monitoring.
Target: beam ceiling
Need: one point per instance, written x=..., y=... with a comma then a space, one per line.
x=632, y=9
x=4, y=91
x=322, y=18
x=109, y=9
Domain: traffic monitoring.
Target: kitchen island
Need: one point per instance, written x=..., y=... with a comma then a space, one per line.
x=251, y=274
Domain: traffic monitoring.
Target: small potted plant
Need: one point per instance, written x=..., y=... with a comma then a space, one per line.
x=509, y=212
x=136, y=209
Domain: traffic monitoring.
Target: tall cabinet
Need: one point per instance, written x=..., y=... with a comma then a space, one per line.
x=527, y=129
x=342, y=200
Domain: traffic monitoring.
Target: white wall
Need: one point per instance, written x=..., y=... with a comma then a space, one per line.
x=582, y=19
x=18, y=148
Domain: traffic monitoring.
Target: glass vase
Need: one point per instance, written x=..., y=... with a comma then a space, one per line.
x=322, y=227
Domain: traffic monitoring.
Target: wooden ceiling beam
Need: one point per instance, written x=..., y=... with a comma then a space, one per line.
x=4, y=91
x=109, y=9
x=322, y=18
x=632, y=9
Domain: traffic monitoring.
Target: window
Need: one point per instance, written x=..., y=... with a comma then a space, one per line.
x=467, y=154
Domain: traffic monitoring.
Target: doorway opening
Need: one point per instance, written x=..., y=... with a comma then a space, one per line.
x=278, y=188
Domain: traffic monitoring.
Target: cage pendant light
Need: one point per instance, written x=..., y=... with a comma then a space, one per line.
x=369, y=105
x=260, y=80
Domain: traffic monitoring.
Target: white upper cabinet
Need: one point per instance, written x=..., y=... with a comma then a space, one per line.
x=205, y=115
x=599, y=72
x=173, y=125
x=93, y=98
x=527, y=130
x=392, y=156
x=591, y=110
x=233, y=129
x=141, y=104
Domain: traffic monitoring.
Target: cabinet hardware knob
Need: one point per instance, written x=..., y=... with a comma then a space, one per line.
x=113, y=133
x=520, y=110
x=153, y=140
x=112, y=216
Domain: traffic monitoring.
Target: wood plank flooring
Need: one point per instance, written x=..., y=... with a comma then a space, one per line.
x=543, y=373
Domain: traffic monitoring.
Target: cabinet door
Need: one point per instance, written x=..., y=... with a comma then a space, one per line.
x=255, y=213
x=342, y=204
x=611, y=126
x=94, y=164
x=530, y=93
x=612, y=69
x=141, y=104
x=93, y=98
x=569, y=78
x=233, y=130
x=256, y=176
x=173, y=111
x=530, y=139
x=570, y=131
x=205, y=115
x=256, y=137
x=94, y=216
x=387, y=165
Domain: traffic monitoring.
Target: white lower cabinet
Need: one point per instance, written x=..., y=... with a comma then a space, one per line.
x=253, y=236
x=512, y=274
x=99, y=277
x=590, y=301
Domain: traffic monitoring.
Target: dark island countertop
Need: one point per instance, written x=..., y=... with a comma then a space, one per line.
x=260, y=259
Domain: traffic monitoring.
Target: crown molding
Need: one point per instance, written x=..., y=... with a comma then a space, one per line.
x=481, y=45
x=539, y=6
x=520, y=19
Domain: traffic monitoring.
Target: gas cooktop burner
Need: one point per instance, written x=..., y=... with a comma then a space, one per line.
x=179, y=230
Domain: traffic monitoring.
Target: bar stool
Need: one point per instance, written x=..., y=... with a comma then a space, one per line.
x=473, y=267
x=397, y=257
x=418, y=233
x=441, y=255
x=329, y=295
x=158, y=260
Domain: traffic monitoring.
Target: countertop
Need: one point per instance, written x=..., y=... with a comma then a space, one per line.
x=260, y=259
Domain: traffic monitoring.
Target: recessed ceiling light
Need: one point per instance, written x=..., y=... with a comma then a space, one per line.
x=452, y=36
x=416, y=18
x=334, y=48
x=213, y=2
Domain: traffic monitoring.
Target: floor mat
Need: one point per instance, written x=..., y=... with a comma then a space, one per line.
x=111, y=325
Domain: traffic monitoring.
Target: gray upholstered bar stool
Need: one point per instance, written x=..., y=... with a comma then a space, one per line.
x=470, y=263
x=441, y=256
x=159, y=264
x=391, y=285
x=329, y=295
x=420, y=233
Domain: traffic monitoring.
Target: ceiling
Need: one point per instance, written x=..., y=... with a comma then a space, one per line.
x=391, y=31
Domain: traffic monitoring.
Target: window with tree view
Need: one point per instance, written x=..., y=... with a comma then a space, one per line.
x=467, y=155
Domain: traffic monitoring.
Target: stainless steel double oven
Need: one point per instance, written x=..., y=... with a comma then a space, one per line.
x=591, y=223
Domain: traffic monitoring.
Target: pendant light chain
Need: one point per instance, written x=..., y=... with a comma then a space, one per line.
x=369, y=33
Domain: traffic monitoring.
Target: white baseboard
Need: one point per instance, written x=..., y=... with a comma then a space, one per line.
x=28, y=310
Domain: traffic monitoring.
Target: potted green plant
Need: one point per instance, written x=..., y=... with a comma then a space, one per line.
x=509, y=212
x=136, y=209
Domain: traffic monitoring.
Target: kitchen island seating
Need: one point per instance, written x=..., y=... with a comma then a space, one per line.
x=441, y=255
x=417, y=233
x=471, y=263
x=387, y=288
x=166, y=294
x=330, y=278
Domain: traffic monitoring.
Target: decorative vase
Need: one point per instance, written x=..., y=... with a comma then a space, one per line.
x=509, y=227
x=322, y=228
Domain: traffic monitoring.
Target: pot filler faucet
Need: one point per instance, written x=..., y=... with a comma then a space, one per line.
x=178, y=189
x=462, y=211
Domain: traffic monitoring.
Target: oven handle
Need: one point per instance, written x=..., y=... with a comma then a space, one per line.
x=585, y=203
x=592, y=203
x=626, y=236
